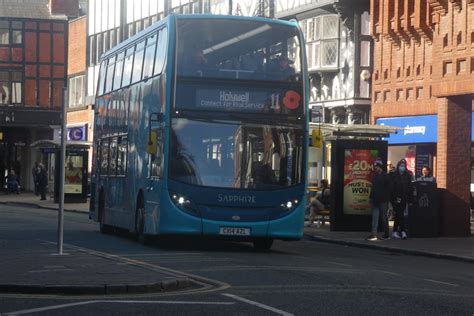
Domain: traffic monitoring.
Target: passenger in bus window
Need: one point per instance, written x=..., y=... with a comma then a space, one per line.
x=281, y=68
x=195, y=64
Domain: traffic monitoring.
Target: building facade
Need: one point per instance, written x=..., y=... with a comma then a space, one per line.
x=33, y=68
x=423, y=72
x=339, y=51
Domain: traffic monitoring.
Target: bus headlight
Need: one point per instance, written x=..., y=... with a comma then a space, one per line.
x=290, y=204
x=182, y=202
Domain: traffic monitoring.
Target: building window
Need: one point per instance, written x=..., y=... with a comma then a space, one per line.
x=11, y=87
x=76, y=91
x=399, y=94
x=461, y=66
x=322, y=35
x=4, y=33
x=419, y=93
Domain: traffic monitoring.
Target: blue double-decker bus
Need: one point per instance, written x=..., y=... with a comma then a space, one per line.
x=201, y=129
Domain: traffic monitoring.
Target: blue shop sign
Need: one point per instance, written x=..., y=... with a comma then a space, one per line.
x=417, y=129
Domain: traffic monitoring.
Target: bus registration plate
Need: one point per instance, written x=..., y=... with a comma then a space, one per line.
x=234, y=231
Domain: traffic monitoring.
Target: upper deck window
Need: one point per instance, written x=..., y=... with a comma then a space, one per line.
x=238, y=50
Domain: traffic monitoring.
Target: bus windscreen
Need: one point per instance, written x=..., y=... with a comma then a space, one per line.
x=235, y=154
x=235, y=50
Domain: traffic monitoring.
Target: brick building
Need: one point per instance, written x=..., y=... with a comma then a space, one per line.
x=33, y=62
x=80, y=114
x=423, y=74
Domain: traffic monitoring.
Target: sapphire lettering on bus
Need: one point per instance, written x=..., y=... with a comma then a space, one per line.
x=236, y=198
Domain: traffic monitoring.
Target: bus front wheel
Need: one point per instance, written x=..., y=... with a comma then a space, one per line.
x=262, y=244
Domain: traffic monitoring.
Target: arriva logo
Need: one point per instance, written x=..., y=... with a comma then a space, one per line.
x=236, y=198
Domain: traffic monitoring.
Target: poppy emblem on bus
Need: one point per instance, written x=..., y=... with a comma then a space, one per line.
x=292, y=99
x=236, y=218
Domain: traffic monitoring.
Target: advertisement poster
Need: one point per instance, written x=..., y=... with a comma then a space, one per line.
x=358, y=172
x=73, y=175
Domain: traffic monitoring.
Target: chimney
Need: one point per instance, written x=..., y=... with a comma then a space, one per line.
x=70, y=8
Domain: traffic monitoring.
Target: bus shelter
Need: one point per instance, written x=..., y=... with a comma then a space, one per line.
x=345, y=157
x=76, y=166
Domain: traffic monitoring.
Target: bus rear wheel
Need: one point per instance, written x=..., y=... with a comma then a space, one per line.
x=104, y=229
x=262, y=244
x=140, y=225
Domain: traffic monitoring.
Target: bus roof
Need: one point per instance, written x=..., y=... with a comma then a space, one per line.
x=121, y=46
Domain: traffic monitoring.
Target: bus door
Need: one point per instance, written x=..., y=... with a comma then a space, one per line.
x=154, y=184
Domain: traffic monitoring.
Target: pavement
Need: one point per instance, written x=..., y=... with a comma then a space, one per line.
x=35, y=268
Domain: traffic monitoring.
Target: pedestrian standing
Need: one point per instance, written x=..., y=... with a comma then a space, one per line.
x=42, y=181
x=34, y=173
x=379, y=198
x=426, y=175
x=401, y=197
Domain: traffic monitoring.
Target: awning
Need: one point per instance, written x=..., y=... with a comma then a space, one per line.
x=355, y=130
x=49, y=143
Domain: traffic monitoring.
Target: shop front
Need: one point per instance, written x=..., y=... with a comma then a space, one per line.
x=415, y=142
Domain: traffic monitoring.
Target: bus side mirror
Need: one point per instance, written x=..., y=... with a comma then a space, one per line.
x=152, y=142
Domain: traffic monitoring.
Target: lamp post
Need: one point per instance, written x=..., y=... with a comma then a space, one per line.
x=62, y=159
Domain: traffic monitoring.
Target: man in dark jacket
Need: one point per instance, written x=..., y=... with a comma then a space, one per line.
x=379, y=198
x=402, y=196
x=42, y=179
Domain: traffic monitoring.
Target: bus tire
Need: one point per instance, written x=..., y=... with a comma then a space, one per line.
x=104, y=229
x=263, y=244
x=140, y=223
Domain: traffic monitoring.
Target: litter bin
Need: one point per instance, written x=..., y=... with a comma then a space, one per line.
x=423, y=216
